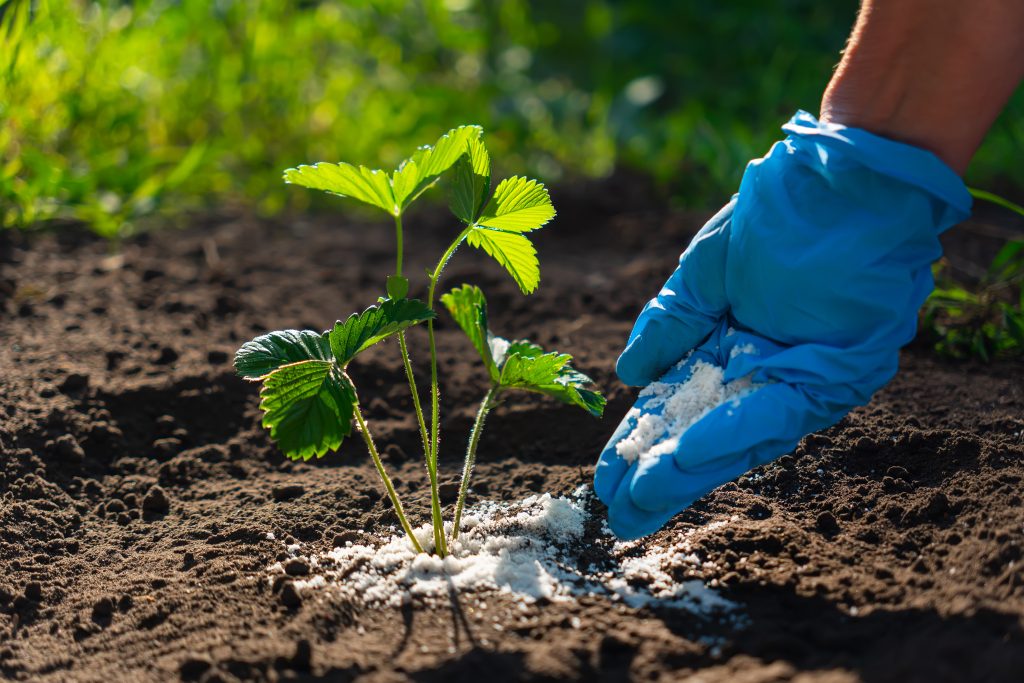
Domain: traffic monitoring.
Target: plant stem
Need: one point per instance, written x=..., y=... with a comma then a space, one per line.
x=467, y=468
x=435, y=400
x=415, y=396
x=436, y=521
x=365, y=431
x=398, y=244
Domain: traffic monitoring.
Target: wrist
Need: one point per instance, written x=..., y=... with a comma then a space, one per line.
x=931, y=73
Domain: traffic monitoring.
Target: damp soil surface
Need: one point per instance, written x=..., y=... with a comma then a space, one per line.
x=141, y=504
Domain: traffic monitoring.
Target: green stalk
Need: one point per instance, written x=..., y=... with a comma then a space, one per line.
x=474, y=439
x=365, y=431
x=415, y=396
x=407, y=364
x=435, y=400
x=398, y=244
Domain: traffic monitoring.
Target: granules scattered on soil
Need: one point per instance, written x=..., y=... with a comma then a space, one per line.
x=681, y=404
x=530, y=550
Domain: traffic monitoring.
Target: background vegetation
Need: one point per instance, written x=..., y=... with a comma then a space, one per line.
x=114, y=111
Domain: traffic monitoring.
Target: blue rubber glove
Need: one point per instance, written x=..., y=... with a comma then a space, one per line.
x=798, y=294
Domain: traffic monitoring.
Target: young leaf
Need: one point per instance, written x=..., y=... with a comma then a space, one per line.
x=469, y=309
x=1007, y=262
x=513, y=251
x=525, y=348
x=518, y=205
x=550, y=374
x=345, y=180
x=363, y=330
x=397, y=286
x=308, y=407
x=266, y=353
x=426, y=165
x=472, y=182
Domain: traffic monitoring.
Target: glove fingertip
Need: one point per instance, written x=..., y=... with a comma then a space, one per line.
x=633, y=366
x=608, y=474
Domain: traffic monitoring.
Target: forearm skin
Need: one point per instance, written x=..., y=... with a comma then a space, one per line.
x=931, y=73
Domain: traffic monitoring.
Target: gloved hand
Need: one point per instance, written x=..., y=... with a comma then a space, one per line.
x=797, y=296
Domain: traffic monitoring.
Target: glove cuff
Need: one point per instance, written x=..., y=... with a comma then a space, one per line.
x=897, y=160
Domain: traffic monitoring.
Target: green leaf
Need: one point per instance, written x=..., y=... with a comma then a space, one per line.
x=549, y=374
x=472, y=182
x=363, y=330
x=428, y=163
x=1013, y=320
x=468, y=307
x=518, y=205
x=308, y=407
x=996, y=199
x=513, y=251
x=397, y=286
x=345, y=180
x=266, y=353
x=1007, y=262
x=522, y=347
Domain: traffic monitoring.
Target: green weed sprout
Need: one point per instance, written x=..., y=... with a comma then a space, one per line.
x=984, y=319
x=308, y=399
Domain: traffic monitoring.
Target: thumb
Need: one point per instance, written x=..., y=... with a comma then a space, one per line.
x=686, y=310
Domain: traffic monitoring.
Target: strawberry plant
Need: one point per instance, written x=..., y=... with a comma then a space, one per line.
x=309, y=400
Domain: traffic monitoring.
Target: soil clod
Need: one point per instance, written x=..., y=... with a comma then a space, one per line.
x=290, y=597
x=156, y=502
x=285, y=492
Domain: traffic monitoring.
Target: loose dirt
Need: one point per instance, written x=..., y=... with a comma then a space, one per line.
x=142, y=507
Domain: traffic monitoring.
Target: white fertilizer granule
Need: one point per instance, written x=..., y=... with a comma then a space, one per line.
x=682, y=404
x=528, y=550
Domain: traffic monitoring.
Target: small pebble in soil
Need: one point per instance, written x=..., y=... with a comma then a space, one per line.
x=156, y=501
x=67, y=447
x=284, y=492
x=827, y=523
x=759, y=511
x=296, y=567
x=217, y=357
x=34, y=591
x=167, y=447
x=166, y=356
x=194, y=667
x=394, y=453
x=346, y=537
x=73, y=383
x=303, y=657
x=102, y=609
x=166, y=423
x=290, y=596
x=448, y=491
x=938, y=505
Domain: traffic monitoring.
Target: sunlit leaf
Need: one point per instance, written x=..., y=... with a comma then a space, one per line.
x=550, y=374
x=362, y=330
x=472, y=182
x=397, y=286
x=266, y=353
x=513, y=251
x=469, y=309
x=308, y=407
x=345, y=180
x=428, y=163
x=518, y=205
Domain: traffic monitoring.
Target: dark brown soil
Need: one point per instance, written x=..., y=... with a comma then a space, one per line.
x=137, y=488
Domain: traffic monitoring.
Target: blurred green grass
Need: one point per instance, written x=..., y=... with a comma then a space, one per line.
x=113, y=113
